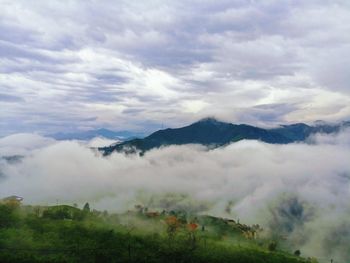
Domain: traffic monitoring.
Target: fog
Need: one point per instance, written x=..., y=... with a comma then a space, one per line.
x=301, y=191
x=22, y=143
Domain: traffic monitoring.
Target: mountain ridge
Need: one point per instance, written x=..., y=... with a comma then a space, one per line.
x=90, y=134
x=215, y=133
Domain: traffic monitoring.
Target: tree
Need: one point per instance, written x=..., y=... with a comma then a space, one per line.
x=8, y=215
x=272, y=246
x=192, y=227
x=172, y=226
x=86, y=207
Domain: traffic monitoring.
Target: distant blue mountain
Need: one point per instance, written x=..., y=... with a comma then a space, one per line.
x=88, y=135
x=12, y=158
x=214, y=133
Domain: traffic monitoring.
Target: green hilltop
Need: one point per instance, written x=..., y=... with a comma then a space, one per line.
x=65, y=233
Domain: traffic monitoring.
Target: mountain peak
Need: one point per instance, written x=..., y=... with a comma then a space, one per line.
x=210, y=120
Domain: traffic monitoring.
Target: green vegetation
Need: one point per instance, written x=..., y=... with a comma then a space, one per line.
x=68, y=234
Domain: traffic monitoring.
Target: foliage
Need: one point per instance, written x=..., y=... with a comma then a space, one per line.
x=68, y=234
x=86, y=207
x=272, y=246
x=8, y=215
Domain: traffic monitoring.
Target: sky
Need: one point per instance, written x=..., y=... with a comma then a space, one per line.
x=143, y=65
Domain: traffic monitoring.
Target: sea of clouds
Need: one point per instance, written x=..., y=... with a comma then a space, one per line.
x=300, y=191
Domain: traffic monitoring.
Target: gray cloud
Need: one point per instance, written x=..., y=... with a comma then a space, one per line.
x=10, y=98
x=178, y=60
x=273, y=114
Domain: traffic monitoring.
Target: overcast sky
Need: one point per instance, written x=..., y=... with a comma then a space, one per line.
x=77, y=65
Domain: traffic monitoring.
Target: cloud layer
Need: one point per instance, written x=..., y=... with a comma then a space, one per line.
x=135, y=65
x=298, y=190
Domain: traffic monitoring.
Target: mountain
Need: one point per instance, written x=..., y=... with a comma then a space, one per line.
x=214, y=133
x=88, y=135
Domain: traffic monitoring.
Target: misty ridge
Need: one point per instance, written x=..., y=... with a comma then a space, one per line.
x=214, y=133
x=298, y=190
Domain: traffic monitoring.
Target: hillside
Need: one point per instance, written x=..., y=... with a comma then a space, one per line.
x=68, y=234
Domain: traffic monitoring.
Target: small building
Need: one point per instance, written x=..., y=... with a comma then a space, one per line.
x=152, y=214
x=13, y=199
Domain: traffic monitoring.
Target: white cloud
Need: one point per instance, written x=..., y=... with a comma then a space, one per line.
x=257, y=178
x=194, y=106
x=101, y=142
x=23, y=143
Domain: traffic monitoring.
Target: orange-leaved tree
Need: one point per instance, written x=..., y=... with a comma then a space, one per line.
x=192, y=227
x=172, y=225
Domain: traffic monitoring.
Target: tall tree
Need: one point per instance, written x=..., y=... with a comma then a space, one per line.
x=86, y=207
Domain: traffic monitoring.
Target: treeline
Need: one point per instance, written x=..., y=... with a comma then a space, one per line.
x=69, y=234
